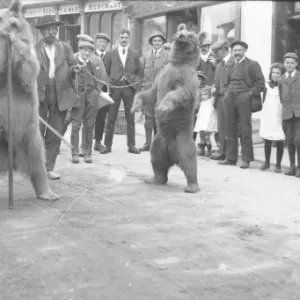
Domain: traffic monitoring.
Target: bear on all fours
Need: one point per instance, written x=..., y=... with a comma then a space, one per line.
x=172, y=99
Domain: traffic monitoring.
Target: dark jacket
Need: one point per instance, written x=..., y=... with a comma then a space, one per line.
x=64, y=63
x=217, y=81
x=208, y=69
x=254, y=77
x=104, y=87
x=289, y=94
x=133, y=71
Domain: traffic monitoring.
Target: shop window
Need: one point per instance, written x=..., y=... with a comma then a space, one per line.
x=219, y=21
x=150, y=25
x=187, y=16
x=105, y=24
x=94, y=24
x=116, y=27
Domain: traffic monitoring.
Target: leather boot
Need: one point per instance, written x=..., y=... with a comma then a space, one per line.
x=291, y=171
x=298, y=161
x=202, y=150
x=147, y=145
x=208, y=154
x=97, y=145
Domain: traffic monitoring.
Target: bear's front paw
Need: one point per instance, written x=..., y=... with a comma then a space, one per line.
x=48, y=196
x=164, y=107
x=192, y=188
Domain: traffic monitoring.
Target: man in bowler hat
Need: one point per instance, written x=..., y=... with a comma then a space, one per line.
x=245, y=82
x=102, y=41
x=152, y=62
x=57, y=66
x=123, y=68
x=221, y=50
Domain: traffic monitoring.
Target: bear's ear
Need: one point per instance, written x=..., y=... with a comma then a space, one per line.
x=181, y=26
x=16, y=7
x=202, y=37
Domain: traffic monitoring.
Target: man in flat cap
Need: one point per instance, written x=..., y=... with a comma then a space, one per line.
x=245, y=82
x=152, y=62
x=289, y=92
x=86, y=110
x=221, y=51
x=57, y=66
x=102, y=41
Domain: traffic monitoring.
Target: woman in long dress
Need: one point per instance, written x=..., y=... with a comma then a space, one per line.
x=271, y=119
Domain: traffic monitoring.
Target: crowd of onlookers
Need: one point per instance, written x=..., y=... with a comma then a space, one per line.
x=71, y=87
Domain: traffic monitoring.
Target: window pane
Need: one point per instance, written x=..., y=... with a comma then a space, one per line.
x=150, y=25
x=94, y=24
x=117, y=24
x=219, y=21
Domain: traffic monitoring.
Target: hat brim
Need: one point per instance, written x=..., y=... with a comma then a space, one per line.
x=243, y=44
x=57, y=23
x=102, y=37
x=162, y=37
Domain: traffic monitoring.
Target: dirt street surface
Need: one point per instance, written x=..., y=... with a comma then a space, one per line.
x=113, y=237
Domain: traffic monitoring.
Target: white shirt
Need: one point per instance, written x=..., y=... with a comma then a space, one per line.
x=226, y=58
x=292, y=74
x=82, y=60
x=241, y=60
x=50, y=51
x=123, y=56
x=99, y=52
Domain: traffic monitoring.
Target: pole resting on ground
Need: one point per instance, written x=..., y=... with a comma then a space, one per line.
x=10, y=126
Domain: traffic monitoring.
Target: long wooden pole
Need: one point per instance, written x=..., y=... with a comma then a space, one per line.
x=10, y=126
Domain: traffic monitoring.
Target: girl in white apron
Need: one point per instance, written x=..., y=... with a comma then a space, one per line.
x=271, y=119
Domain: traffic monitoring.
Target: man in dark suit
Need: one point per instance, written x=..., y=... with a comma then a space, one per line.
x=54, y=80
x=101, y=42
x=123, y=68
x=245, y=82
x=221, y=50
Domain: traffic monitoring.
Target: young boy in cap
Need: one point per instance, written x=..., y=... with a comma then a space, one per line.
x=89, y=91
x=289, y=93
x=101, y=43
x=152, y=62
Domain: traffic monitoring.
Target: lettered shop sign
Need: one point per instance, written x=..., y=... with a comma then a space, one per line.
x=39, y=12
x=69, y=9
x=102, y=6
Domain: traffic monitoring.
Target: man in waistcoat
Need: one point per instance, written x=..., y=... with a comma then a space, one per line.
x=221, y=50
x=54, y=80
x=124, y=70
x=101, y=42
x=245, y=81
x=152, y=62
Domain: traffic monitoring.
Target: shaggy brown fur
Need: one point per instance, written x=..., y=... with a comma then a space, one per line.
x=173, y=96
x=29, y=153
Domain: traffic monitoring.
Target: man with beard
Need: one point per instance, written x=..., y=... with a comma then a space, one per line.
x=245, y=81
x=57, y=65
x=101, y=42
x=221, y=50
x=124, y=70
x=152, y=62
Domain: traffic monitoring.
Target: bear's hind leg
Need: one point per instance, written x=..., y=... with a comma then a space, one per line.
x=160, y=159
x=187, y=160
x=30, y=159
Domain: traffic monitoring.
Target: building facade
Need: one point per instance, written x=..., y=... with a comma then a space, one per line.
x=78, y=16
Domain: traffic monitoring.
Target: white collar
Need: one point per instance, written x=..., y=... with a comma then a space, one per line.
x=292, y=74
x=121, y=48
x=241, y=60
x=82, y=60
x=100, y=52
x=157, y=51
x=226, y=58
x=205, y=56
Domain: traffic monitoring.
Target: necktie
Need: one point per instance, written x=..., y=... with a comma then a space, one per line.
x=101, y=55
x=123, y=51
x=155, y=52
x=289, y=78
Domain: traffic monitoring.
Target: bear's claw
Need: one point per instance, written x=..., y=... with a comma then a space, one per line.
x=48, y=196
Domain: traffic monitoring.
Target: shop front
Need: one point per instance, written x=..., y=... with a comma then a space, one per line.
x=89, y=17
x=218, y=19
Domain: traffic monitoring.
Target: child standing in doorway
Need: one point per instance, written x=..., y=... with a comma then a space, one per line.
x=206, y=120
x=271, y=118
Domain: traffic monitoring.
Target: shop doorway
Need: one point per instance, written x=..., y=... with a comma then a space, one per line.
x=70, y=30
x=294, y=38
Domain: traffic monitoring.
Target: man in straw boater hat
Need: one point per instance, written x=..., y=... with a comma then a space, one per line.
x=152, y=62
x=102, y=41
x=245, y=82
x=57, y=65
x=89, y=89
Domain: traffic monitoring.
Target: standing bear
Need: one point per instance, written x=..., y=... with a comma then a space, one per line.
x=172, y=100
x=28, y=147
